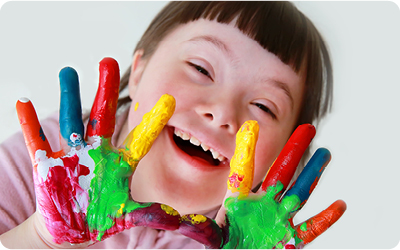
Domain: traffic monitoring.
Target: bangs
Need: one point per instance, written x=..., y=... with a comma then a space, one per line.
x=277, y=26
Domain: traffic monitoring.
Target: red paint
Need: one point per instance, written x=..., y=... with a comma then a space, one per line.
x=290, y=246
x=285, y=165
x=313, y=185
x=235, y=179
x=321, y=222
x=56, y=197
x=102, y=116
x=152, y=216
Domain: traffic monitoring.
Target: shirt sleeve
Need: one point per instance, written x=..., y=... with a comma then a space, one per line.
x=17, y=191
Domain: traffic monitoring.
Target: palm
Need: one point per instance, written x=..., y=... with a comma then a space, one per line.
x=264, y=219
x=83, y=190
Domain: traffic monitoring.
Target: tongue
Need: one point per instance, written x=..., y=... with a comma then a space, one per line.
x=203, y=160
x=195, y=151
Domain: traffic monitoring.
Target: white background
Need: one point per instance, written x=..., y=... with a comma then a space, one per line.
x=362, y=132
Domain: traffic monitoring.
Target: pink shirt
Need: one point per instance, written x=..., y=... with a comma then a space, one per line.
x=17, y=194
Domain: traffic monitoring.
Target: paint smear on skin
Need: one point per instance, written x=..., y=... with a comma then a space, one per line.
x=303, y=227
x=258, y=221
x=194, y=218
x=286, y=163
x=319, y=223
x=60, y=197
x=76, y=211
x=102, y=115
x=109, y=193
x=242, y=163
x=136, y=106
x=169, y=210
x=141, y=138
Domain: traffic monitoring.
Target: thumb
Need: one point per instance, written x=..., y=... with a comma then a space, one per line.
x=201, y=229
x=153, y=215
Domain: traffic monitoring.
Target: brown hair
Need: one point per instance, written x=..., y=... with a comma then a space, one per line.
x=277, y=26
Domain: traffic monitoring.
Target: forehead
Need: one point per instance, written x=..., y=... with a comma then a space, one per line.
x=230, y=42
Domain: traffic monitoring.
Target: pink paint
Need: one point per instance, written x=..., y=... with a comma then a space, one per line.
x=235, y=179
x=57, y=197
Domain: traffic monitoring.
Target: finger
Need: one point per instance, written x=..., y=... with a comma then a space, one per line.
x=201, y=229
x=285, y=165
x=34, y=137
x=141, y=138
x=102, y=115
x=315, y=226
x=309, y=177
x=71, y=125
x=242, y=163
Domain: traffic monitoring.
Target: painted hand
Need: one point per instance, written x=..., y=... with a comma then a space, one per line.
x=265, y=219
x=83, y=190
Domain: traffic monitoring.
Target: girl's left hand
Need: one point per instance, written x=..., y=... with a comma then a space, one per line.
x=265, y=219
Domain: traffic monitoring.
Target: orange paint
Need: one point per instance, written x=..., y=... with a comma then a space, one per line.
x=313, y=185
x=33, y=133
x=321, y=222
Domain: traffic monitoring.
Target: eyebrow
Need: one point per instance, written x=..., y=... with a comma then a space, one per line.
x=285, y=88
x=213, y=40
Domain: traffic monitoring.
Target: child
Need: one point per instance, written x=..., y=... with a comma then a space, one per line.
x=225, y=63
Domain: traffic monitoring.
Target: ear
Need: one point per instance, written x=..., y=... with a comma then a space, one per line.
x=137, y=68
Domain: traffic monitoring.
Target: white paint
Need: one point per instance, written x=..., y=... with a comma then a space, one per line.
x=76, y=138
x=24, y=99
x=86, y=160
x=45, y=163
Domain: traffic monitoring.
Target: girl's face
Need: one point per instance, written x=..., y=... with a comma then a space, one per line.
x=220, y=78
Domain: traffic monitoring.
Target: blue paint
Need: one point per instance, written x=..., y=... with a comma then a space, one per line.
x=93, y=123
x=41, y=134
x=70, y=106
x=312, y=171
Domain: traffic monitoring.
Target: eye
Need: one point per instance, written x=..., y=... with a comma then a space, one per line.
x=266, y=110
x=200, y=69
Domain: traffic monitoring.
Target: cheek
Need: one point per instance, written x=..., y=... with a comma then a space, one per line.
x=266, y=153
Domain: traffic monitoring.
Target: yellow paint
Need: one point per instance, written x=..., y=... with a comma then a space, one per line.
x=141, y=138
x=242, y=163
x=136, y=106
x=119, y=212
x=194, y=218
x=169, y=210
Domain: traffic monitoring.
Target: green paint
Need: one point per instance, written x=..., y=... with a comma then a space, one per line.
x=109, y=189
x=258, y=221
x=303, y=227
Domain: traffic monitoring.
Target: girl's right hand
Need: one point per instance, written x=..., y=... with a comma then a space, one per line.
x=83, y=190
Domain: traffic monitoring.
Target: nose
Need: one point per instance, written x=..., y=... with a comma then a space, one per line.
x=221, y=115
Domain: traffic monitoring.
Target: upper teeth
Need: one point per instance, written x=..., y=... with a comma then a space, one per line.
x=185, y=136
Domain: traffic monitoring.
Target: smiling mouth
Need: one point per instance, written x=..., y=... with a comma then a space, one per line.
x=186, y=145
